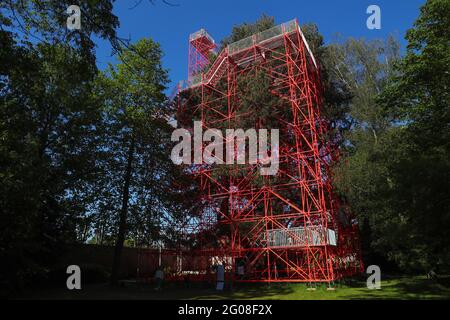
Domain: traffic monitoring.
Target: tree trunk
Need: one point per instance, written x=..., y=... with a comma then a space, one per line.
x=123, y=215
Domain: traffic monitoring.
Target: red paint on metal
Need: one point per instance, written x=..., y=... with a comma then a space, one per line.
x=243, y=211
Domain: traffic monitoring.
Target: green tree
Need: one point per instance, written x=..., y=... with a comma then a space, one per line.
x=45, y=22
x=362, y=68
x=49, y=130
x=395, y=170
x=418, y=102
x=140, y=181
x=245, y=30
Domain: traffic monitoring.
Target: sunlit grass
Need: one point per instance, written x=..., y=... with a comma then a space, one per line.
x=396, y=288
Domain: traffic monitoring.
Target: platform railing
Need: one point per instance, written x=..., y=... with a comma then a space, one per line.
x=243, y=44
x=262, y=36
x=200, y=33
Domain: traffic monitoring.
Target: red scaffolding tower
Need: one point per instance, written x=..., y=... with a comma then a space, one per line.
x=289, y=227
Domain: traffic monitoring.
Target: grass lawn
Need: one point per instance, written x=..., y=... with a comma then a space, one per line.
x=394, y=288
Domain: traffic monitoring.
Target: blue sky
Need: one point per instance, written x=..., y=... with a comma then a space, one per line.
x=171, y=25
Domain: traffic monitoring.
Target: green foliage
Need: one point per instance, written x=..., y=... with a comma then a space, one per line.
x=362, y=69
x=65, y=131
x=45, y=21
x=135, y=112
x=247, y=29
x=395, y=174
x=48, y=132
x=418, y=100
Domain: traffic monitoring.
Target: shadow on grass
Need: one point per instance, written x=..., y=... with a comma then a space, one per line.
x=250, y=291
x=170, y=291
x=350, y=289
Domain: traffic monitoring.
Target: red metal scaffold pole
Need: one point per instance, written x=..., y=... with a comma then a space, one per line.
x=284, y=228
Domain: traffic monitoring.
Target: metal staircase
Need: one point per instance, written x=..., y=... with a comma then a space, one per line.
x=218, y=68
